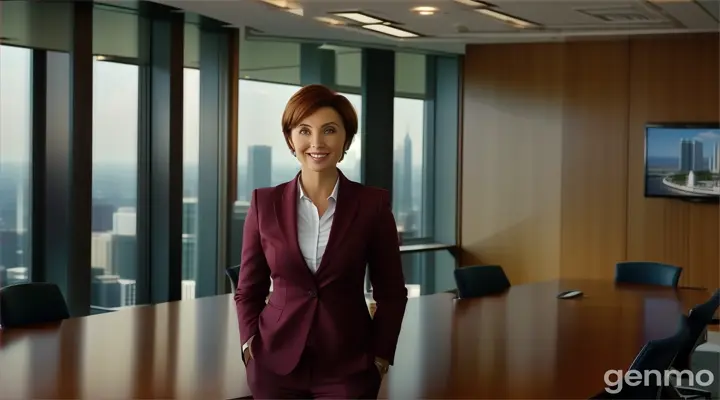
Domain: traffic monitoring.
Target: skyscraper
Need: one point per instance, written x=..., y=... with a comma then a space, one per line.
x=406, y=203
x=698, y=159
x=691, y=155
x=716, y=158
x=259, y=168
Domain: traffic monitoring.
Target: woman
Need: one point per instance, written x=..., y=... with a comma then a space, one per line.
x=314, y=236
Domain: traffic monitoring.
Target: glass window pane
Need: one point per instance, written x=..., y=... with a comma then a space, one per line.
x=114, y=184
x=408, y=167
x=191, y=152
x=270, y=61
x=409, y=74
x=37, y=24
x=115, y=31
x=15, y=147
x=262, y=147
x=348, y=66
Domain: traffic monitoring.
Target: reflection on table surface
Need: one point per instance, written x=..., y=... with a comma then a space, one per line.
x=522, y=344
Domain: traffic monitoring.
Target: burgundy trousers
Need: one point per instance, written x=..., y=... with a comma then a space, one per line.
x=305, y=383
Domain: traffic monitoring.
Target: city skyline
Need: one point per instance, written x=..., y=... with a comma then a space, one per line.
x=665, y=142
x=115, y=155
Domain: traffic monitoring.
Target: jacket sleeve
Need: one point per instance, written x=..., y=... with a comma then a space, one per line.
x=254, y=280
x=388, y=282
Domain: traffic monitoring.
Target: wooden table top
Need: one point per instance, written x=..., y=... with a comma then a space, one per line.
x=522, y=344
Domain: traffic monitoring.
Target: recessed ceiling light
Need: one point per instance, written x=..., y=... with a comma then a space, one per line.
x=282, y=3
x=509, y=19
x=330, y=21
x=390, y=30
x=423, y=10
x=359, y=17
x=474, y=3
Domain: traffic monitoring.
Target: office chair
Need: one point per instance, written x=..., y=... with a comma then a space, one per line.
x=233, y=273
x=698, y=320
x=656, y=355
x=649, y=273
x=480, y=280
x=31, y=303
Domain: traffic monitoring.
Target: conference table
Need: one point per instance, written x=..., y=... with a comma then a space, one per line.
x=524, y=343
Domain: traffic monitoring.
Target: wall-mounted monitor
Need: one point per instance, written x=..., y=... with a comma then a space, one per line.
x=683, y=161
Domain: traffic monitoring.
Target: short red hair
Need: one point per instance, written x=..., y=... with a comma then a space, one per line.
x=306, y=101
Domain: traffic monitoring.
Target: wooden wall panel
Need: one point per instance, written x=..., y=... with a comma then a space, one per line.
x=553, y=156
x=512, y=138
x=594, y=165
x=672, y=79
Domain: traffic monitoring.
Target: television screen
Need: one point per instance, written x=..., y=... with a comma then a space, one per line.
x=683, y=161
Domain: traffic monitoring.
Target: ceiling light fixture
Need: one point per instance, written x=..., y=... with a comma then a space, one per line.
x=474, y=3
x=508, y=19
x=286, y=5
x=390, y=30
x=423, y=10
x=330, y=21
x=359, y=17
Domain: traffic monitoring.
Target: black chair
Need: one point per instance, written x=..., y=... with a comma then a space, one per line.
x=31, y=303
x=233, y=273
x=656, y=356
x=480, y=280
x=698, y=320
x=649, y=273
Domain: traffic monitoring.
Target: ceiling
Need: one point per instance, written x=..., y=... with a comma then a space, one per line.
x=455, y=24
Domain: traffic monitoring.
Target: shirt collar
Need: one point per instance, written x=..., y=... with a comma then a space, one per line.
x=333, y=195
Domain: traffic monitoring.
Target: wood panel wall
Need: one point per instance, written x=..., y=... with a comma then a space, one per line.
x=553, y=156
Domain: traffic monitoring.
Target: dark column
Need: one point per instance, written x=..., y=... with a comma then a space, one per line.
x=232, y=146
x=213, y=160
x=37, y=259
x=316, y=65
x=161, y=157
x=378, y=92
x=68, y=173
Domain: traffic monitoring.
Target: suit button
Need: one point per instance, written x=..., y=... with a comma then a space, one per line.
x=312, y=293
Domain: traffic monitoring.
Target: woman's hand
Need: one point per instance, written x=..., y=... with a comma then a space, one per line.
x=382, y=366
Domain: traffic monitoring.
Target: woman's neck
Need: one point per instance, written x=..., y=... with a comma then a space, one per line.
x=318, y=185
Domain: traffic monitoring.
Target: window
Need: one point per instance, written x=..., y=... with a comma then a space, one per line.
x=15, y=145
x=263, y=156
x=114, y=184
x=409, y=146
x=191, y=166
x=408, y=135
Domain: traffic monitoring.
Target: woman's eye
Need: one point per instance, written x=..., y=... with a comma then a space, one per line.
x=329, y=131
x=304, y=132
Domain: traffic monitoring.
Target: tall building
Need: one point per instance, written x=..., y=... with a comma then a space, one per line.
x=691, y=155
x=259, y=168
x=124, y=221
x=406, y=204
x=101, y=245
x=190, y=206
x=189, y=257
x=698, y=159
x=124, y=243
x=716, y=158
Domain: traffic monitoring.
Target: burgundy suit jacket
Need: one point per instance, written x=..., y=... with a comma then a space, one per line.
x=326, y=310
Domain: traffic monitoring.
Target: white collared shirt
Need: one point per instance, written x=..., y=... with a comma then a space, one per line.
x=313, y=230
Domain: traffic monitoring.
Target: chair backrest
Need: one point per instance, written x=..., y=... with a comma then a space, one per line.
x=657, y=356
x=698, y=319
x=31, y=303
x=480, y=280
x=233, y=273
x=649, y=273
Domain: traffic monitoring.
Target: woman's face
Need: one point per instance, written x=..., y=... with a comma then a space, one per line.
x=319, y=140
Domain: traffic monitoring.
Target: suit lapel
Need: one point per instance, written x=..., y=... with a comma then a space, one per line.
x=286, y=214
x=345, y=211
